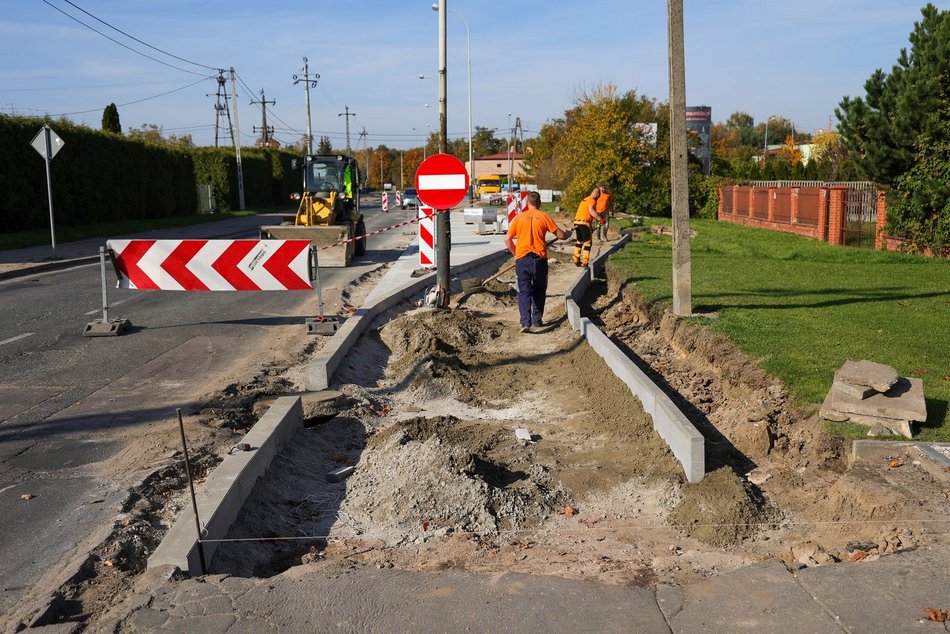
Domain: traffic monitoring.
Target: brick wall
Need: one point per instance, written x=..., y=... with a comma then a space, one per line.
x=792, y=210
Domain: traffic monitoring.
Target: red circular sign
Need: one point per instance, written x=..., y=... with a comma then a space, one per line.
x=441, y=181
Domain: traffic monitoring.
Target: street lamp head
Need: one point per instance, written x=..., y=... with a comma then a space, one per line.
x=435, y=6
x=421, y=76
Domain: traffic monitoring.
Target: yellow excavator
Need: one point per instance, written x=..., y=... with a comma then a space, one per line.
x=329, y=210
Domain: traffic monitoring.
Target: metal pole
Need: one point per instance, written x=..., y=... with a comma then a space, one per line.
x=442, y=220
x=105, y=293
x=511, y=141
x=49, y=185
x=236, y=136
x=306, y=87
x=682, y=264
x=191, y=487
x=316, y=281
x=471, y=160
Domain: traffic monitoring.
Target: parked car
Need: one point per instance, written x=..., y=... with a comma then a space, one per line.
x=410, y=198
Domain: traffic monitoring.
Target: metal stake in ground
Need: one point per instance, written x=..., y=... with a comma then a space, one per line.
x=191, y=487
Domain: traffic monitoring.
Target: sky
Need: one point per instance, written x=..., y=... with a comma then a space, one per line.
x=530, y=60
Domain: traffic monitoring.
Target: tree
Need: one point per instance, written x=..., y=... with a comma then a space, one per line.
x=110, y=119
x=485, y=143
x=325, y=146
x=900, y=132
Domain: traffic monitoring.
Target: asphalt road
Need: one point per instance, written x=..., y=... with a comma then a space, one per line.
x=65, y=399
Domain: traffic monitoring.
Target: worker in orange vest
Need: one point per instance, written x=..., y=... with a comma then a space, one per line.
x=603, y=208
x=584, y=221
x=526, y=241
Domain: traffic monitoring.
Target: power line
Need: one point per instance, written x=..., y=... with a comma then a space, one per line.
x=132, y=37
x=154, y=59
x=129, y=103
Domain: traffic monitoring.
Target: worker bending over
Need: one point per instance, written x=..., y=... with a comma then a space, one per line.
x=584, y=220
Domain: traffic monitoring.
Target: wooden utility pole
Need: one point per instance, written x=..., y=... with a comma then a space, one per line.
x=682, y=262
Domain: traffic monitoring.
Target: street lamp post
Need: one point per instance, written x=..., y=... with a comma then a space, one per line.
x=468, y=42
x=765, y=149
x=511, y=140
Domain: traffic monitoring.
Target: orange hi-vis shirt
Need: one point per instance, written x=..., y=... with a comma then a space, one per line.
x=583, y=210
x=529, y=230
x=603, y=202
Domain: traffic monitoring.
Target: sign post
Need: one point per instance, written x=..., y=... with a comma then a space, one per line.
x=442, y=182
x=48, y=144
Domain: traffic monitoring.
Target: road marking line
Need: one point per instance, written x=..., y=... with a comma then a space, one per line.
x=17, y=338
x=99, y=310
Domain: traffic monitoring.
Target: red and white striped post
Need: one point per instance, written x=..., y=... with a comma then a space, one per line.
x=385, y=201
x=426, y=237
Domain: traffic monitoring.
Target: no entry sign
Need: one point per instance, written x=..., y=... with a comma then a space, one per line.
x=441, y=181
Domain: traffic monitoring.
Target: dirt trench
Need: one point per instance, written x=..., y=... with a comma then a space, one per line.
x=441, y=479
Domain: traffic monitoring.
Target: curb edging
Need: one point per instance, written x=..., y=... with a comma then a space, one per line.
x=221, y=497
x=683, y=439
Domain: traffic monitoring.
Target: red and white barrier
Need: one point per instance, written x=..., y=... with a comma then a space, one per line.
x=212, y=265
x=398, y=198
x=516, y=204
x=385, y=202
x=426, y=237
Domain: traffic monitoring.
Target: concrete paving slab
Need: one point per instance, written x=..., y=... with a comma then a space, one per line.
x=884, y=595
x=764, y=597
x=310, y=599
x=878, y=376
x=904, y=401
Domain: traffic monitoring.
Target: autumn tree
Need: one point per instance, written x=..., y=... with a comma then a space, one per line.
x=110, y=119
x=900, y=132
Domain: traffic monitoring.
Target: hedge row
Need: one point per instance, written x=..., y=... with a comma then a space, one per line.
x=98, y=177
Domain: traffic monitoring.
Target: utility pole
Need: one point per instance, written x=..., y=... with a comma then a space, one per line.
x=307, y=85
x=220, y=105
x=347, y=114
x=265, y=130
x=442, y=262
x=236, y=138
x=682, y=259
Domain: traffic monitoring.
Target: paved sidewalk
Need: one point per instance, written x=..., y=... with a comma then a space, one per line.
x=884, y=595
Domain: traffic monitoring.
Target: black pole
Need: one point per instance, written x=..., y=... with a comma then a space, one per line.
x=191, y=486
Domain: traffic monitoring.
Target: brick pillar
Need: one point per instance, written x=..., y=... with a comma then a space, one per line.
x=793, y=219
x=770, y=214
x=836, y=214
x=880, y=236
x=719, y=213
x=735, y=201
x=823, y=214
x=751, y=201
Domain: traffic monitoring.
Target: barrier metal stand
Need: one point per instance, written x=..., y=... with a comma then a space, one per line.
x=319, y=325
x=105, y=327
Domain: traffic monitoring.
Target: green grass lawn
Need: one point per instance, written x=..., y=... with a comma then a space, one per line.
x=802, y=307
x=22, y=239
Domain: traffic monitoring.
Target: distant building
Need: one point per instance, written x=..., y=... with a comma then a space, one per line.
x=497, y=164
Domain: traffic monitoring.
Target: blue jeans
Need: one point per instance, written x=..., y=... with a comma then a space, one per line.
x=532, y=274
